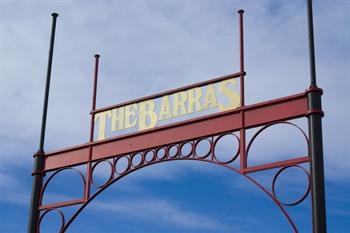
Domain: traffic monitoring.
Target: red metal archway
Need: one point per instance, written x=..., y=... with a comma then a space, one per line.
x=174, y=152
x=166, y=143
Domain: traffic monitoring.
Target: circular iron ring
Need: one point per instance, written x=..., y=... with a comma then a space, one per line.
x=196, y=146
x=110, y=178
x=127, y=167
x=302, y=198
x=60, y=213
x=182, y=146
x=142, y=160
x=234, y=156
x=168, y=151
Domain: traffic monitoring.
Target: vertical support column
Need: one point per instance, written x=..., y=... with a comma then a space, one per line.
x=315, y=134
x=94, y=92
x=243, y=163
x=35, y=200
x=92, y=127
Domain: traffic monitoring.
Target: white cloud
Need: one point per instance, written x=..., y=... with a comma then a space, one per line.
x=159, y=211
x=12, y=190
x=147, y=48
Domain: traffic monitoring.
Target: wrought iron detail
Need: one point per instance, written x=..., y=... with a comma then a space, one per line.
x=122, y=165
x=302, y=198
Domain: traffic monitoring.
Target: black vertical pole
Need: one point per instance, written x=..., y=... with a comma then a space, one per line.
x=242, y=134
x=38, y=157
x=315, y=133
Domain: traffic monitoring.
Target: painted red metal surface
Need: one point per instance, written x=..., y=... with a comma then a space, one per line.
x=255, y=115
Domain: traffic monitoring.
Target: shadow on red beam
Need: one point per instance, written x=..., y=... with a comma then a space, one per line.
x=62, y=204
x=284, y=163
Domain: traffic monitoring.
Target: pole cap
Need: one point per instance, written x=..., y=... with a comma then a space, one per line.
x=97, y=55
x=240, y=11
x=55, y=15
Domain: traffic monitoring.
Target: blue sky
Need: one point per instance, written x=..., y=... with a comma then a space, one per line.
x=152, y=46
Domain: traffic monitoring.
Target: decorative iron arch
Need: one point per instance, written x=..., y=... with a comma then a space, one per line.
x=164, y=154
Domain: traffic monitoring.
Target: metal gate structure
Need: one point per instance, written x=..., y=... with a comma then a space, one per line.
x=167, y=142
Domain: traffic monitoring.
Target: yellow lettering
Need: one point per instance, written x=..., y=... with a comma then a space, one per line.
x=179, y=103
x=146, y=114
x=210, y=97
x=117, y=119
x=194, y=97
x=130, y=115
x=165, y=110
x=147, y=117
x=102, y=117
x=233, y=97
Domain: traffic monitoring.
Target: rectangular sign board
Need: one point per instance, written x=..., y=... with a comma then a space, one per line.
x=216, y=95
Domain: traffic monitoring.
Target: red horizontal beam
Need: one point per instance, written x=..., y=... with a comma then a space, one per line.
x=62, y=203
x=284, y=163
x=255, y=115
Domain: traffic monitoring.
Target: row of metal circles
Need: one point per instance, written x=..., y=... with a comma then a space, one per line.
x=200, y=149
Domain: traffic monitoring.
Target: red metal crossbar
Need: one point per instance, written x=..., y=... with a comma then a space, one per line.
x=255, y=115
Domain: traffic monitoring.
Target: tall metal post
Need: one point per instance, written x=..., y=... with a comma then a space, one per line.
x=94, y=92
x=243, y=163
x=92, y=127
x=38, y=157
x=315, y=133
